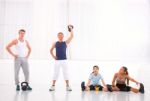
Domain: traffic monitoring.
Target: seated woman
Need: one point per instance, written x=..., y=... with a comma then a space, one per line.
x=94, y=81
x=121, y=81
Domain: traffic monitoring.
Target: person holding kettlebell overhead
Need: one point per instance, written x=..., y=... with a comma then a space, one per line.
x=21, y=56
x=61, y=58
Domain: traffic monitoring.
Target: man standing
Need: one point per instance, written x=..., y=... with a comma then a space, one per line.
x=61, y=58
x=21, y=55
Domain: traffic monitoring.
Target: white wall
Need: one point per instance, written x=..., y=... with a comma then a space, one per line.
x=2, y=9
x=104, y=29
x=16, y=14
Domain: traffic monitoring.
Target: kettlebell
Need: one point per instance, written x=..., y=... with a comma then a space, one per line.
x=97, y=88
x=24, y=86
x=70, y=27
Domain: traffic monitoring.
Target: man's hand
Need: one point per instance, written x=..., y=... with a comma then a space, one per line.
x=27, y=56
x=29, y=49
x=51, y=51
x=8, y=48
x=70, y=27
x=15, y=56
x=55, y=57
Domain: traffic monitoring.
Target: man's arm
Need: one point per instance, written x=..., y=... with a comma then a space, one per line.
x=8, y=48
x=29, y=49
x=51, y=51
x=70, y=37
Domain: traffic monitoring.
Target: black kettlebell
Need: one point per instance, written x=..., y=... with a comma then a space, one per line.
x=24, y=86
x=70, y=27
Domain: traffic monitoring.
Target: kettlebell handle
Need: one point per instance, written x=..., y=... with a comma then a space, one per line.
x=70, y=26
x=26, y=83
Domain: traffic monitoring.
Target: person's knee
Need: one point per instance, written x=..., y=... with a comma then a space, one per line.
x=55, y=76
x=115, y=89
x=26, y=72
x=66, y=75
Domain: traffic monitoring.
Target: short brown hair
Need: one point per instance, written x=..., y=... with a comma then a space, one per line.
x=96, y=67
x=60, y=33
x=22, y=30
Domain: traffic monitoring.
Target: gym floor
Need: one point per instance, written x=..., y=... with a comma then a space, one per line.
x=41, y=74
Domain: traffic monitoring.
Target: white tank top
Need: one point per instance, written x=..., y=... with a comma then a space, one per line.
x=21, y=48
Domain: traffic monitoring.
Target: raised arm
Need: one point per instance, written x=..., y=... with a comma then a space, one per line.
x=51, y=51
x=71, y=35
x=29, y=49
x=8, y=48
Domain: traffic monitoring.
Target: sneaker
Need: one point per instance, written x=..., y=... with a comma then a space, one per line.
x=83, y=86
x=29, y=88
x=109, y=88
x=17, y=88
x=68, y=88
x=52, y=88
x=141, y=88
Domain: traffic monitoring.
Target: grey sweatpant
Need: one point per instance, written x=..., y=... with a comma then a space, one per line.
x=18, y=63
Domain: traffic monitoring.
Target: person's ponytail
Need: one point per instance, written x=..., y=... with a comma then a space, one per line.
x=127, y=73
x=127, y=78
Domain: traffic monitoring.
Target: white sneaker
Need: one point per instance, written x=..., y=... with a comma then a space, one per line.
x=52, y=88
x=68, y=88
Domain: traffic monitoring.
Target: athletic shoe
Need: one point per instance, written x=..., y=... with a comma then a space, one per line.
x=29, y=88
x=17, y=88
x=141, y=88
x=83, y=86
x=68, y=88
x=109, y=87
x=52, y=88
